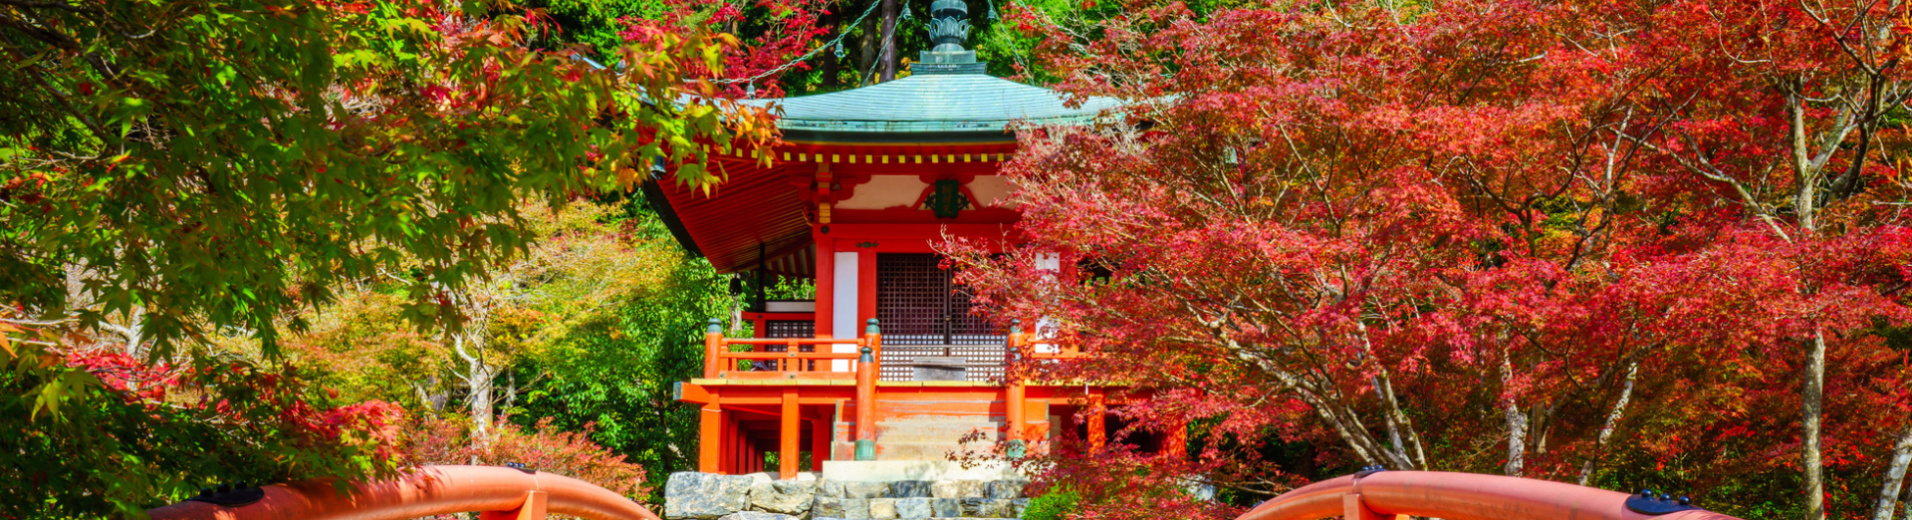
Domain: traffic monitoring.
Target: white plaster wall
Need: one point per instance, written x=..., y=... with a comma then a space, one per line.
x=843, y=322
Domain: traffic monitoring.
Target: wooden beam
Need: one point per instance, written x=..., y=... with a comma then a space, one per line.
x=688, y=392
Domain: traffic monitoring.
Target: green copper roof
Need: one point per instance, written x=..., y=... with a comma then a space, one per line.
x=940, y=103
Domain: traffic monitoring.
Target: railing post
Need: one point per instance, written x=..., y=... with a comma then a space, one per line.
x=713, y=344
x=874, y=335
x=866, y=406
x=1013, y=402
x=1354, y=509
x=532, y=509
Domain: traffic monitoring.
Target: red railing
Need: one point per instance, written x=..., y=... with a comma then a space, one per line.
x=1464, y=496
x=497, y=493
x=721, y=359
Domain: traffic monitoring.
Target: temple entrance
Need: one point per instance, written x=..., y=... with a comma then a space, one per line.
x=931, y=327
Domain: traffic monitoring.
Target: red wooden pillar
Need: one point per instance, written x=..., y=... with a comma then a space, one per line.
x=866, y=287
x=729, y=444
x=1098, y=434
x=1015, y=402
x=820, y=437
x=1175, y=444
x=826, y=286
x=710, y=438
x=743, y=453
x=788, y=435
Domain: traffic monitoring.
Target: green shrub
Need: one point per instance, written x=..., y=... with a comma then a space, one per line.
x=1056, y=505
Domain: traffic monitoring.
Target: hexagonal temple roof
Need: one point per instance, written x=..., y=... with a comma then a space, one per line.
x=932, y=103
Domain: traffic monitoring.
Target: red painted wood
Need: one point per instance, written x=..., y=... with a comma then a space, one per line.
x=1456, y=496
x=788, y=436
x=826, y=284
x=1098, y=410
x=429, y=491
x=710, y=429
x=865, y=285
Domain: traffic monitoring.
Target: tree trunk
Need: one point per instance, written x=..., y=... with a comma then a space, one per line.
x=1894, y=477
x=1613, y=421
x=1516, y=421
x=478, y=378
x=480, y=401
x=1812, y=407
x=888, y=49
x=135, y=328
x=829, y=56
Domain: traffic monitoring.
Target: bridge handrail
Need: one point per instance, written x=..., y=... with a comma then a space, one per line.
x=1455, y=496
x=427, y=491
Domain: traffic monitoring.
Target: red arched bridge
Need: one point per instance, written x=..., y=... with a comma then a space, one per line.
x=507, y=493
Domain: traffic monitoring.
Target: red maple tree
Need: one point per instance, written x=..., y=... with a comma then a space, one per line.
x=1642, y=244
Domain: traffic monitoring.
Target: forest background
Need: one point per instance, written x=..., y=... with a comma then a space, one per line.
x=1632, y=244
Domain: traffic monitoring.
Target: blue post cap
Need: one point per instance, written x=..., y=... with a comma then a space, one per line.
x=866, y=355
x=871, y=328
x=715, y=327
x=1015, y=326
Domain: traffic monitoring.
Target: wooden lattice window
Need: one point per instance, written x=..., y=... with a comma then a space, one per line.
x=925, y=314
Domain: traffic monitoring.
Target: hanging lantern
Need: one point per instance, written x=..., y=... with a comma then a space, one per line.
x=839, y=49
x=992, y=11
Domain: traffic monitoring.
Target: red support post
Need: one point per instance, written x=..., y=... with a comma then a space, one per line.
x=788, y=435
x=1175, y=444
x=826, y=286
x=1015, y=402
x=1098, y=432
x=710, y=438
x=820, y=433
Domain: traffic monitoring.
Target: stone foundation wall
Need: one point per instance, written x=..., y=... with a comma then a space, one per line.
x=706, y=496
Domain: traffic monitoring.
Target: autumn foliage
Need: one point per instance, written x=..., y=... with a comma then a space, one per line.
x=128, y=430
x=1626, y=243
x=542, y=448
